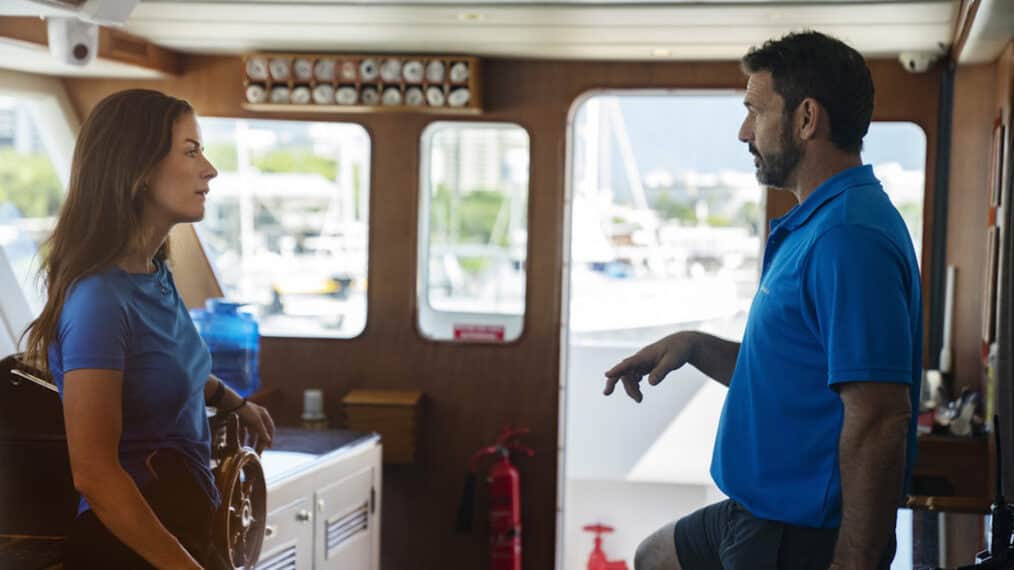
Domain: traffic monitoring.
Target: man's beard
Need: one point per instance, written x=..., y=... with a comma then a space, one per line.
x=774, y=169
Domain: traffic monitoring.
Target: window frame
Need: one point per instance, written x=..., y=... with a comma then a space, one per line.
x=57, y=127
x=570, y=163
x=367, y=178
x=518, y=322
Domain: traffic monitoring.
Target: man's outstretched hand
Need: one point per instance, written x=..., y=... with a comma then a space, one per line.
x=656, y=360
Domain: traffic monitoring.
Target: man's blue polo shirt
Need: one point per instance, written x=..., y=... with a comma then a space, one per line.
x=839, y=301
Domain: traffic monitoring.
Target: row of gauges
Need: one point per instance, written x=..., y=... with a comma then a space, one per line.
x=390, y=70
x=325, y=94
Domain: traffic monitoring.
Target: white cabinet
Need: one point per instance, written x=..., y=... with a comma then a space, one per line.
x=323, y=508
x=343, y=537
x=288, y=538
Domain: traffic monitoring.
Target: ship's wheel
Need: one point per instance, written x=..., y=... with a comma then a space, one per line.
x=240, y=521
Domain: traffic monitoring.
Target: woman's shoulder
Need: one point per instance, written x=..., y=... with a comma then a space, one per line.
x=104, y=288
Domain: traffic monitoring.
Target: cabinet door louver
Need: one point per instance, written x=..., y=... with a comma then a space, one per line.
x=282, y=560
x=343, y=529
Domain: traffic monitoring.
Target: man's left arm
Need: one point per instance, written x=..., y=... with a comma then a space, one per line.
x=872, y=461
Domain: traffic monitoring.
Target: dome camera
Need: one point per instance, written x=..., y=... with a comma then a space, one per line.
x=917, y=61
x=73, y=41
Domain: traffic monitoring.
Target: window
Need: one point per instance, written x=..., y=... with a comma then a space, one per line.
x=31, y=191
x=286, y=223
x=473, y=231
x=897, y=152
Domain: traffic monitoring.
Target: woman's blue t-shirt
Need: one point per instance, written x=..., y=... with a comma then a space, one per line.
x=137, y=323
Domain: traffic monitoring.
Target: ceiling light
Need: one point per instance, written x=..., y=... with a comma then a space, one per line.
x=470, y=16
x=659, y=52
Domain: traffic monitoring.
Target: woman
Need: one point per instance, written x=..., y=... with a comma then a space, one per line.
x=133, y=373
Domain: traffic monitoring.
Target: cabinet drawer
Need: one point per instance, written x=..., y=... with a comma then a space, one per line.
x=288, y=538
x=345, y=520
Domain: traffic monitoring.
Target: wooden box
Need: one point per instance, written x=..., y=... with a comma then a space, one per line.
x=394, y=414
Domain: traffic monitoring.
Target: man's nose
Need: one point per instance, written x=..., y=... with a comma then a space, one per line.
x=745, y=132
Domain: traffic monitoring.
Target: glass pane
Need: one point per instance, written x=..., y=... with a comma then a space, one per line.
x=30, y=195
x=477, y=203
x=667, y=225
x=897, y=152
x=287, y=221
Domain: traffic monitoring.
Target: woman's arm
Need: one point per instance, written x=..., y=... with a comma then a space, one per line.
x=211, y=389
x=92, y=414
x=254, y=419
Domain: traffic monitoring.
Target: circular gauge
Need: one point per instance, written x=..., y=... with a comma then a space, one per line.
x=279, y=69
x=414, y=97
x=255, y=93
x=435, y=71
x=257, y=68
x=323, y=94
x=301, y=95
x=280, y=94
x=435, y=96
x=390, y=70
x=392, y=96
x=349, y=71
x=459, y=72
x=413, y=71
x=323, y=70
x=370, y=96
x=346, y=95
x=368, y=70
x=302, y=69
x=458, y=97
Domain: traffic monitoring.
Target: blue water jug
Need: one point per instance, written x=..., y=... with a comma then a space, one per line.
x=234, y=341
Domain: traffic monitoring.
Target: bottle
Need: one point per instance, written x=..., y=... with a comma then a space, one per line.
x=234, y=341
x=313, y=410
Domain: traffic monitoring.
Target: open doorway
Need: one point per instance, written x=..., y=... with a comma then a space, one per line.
x=665, y=233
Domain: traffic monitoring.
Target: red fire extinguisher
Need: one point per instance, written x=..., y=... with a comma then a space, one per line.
x=503, y=484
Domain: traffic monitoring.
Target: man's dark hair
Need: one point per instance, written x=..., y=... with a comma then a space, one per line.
x=811, y=64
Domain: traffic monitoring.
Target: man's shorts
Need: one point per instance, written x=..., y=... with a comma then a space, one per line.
x=724, y=536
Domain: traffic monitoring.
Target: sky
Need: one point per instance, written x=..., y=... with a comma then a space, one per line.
x=683, y=132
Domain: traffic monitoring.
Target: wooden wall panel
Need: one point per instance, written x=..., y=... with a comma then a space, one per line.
x=471, y=391
x=982, y=93
x=974, y=111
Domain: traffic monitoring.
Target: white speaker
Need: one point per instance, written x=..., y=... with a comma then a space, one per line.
x=73, y=41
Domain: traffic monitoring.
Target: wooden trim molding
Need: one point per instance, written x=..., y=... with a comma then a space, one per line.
x=114, y=45
x=195, y=278
x=962, y=26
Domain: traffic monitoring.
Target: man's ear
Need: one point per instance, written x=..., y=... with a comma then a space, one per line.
x=809, y=116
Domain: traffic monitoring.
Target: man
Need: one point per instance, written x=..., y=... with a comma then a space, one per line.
x=817, y=434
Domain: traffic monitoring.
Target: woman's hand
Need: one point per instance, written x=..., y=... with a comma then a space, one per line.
x=257, y=428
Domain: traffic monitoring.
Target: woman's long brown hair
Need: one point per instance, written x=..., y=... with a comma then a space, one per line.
x=120, y=142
